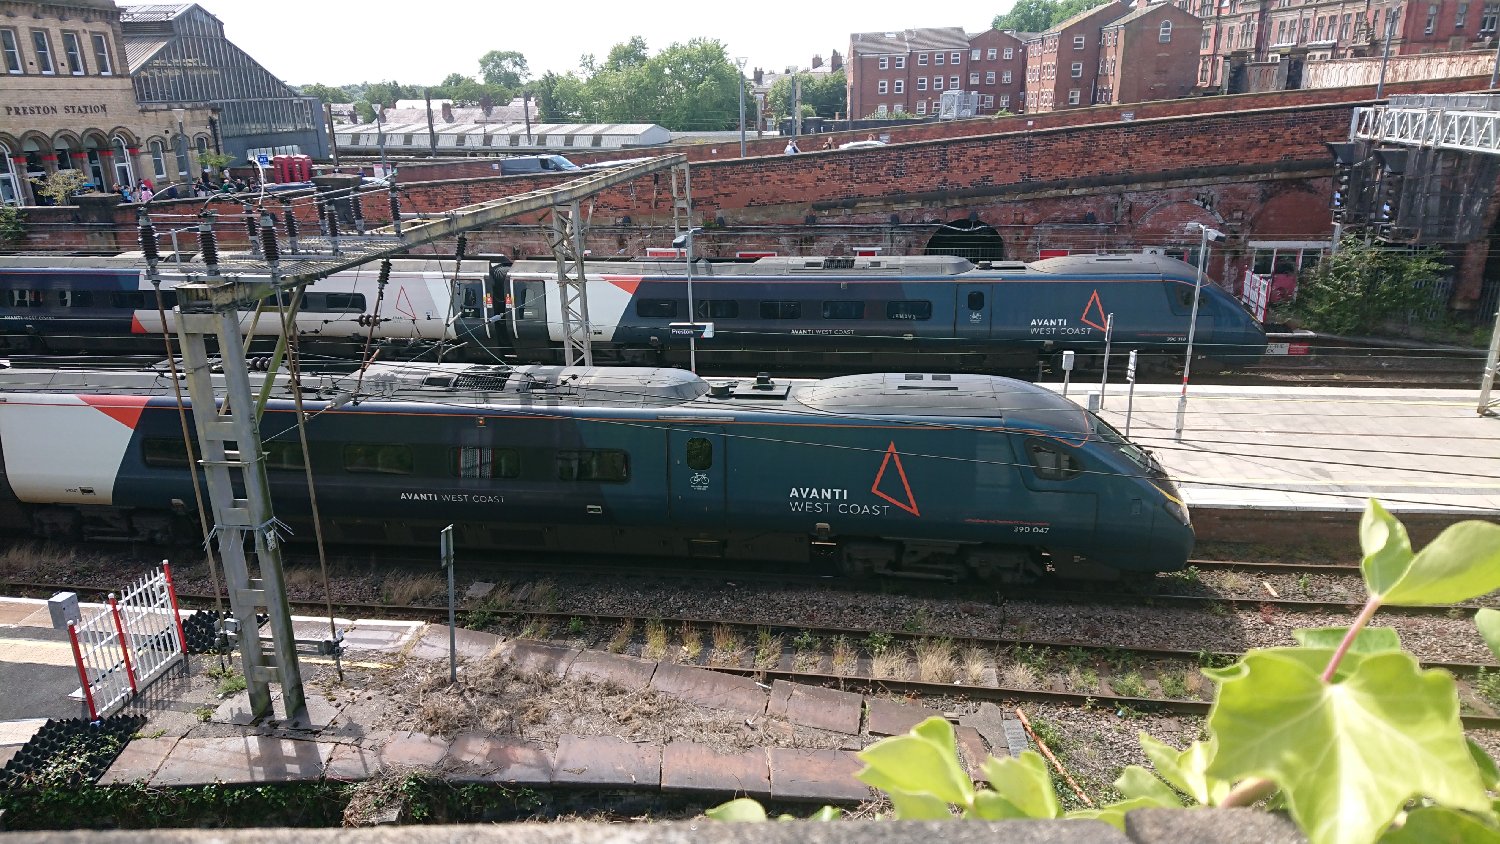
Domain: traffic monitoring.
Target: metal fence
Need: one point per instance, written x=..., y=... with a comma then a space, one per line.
x=129, y=643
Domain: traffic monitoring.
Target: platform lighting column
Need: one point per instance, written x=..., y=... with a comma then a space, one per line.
x=685, y=240
x=739, y=63
x=1205, y=235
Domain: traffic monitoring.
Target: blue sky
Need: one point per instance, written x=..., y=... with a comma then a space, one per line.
x=418, y=43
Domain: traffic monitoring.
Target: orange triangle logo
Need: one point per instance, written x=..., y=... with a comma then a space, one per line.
x=1093, y=313
x=123, y=409
x=403, y=304
x=892, y=457
x=625, y=283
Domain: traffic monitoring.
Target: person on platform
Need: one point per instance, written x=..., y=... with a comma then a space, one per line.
x=124, y=192
x=146, y=192
x=791, y=147
x=827, y=143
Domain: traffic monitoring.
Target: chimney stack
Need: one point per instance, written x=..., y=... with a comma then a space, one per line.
x=447, y=112
x=817, y=62
x=836, y=61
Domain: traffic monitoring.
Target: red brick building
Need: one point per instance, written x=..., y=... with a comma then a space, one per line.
x=1149, y=54
x=908, y=71
x=1062, y=63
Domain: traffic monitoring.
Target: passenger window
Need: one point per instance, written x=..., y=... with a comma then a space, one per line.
x=717, y=309
x=1052, y=462
x=656, y=308
x=976, y=300
x=486, y=463
x=700, y=454
x=25, y=298
x=843, y=310
x=135, y=301
x=164, y=453
x=340, y=302
x=780, y=310
x=606, y=466
x=912, y=309
x=282, y=455
x=378, y=459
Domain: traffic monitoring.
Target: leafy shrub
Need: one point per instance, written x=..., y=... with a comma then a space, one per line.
x=1362, y=288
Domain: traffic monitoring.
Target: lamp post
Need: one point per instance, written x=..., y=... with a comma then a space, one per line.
x=1206, y=234
x=739, y=63
x=686, y=240
x=1385, y=55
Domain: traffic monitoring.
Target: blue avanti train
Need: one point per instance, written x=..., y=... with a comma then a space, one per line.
x=830, y=314
x=910, y=474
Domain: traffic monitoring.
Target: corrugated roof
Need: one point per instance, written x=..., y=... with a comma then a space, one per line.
x=152, y=12
x=138, y=51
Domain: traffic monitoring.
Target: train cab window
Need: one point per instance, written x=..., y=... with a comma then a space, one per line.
x=700, y=454
x=392, y=459
x=780, y=310
x=844, y=310
x=716, y=309
x=976, y=300
x=328, y=303
x=164, y=453
x=597, y=465
x=909, y=309
x=1051, y=461
x=25, y=298
x=282, y=456
x=656, y=308
x=530, y=300
x=486, y=462
x=469, y=309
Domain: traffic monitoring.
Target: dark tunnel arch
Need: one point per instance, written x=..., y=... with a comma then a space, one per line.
x=972, y=239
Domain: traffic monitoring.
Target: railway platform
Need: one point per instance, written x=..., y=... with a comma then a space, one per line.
x=1256, y=463
x=191, y=737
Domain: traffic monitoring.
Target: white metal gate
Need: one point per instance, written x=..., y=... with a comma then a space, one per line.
x=129, y=643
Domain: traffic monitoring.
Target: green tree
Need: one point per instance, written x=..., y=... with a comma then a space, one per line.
x=12, y=224
x=684, y=87
x=326, y=93
x=1364, y=288
x=387, y=93
x=60, y=185
x=823, y=95
x=506, y=68
x=1042, y=15
x=365, y=110
x=630, y=54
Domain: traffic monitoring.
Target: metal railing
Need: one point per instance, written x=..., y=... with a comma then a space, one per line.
x=127, y=644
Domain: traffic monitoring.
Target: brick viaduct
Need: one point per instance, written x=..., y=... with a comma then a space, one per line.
x=1094, y=179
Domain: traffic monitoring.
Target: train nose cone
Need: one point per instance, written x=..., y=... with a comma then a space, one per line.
x=1171, y=544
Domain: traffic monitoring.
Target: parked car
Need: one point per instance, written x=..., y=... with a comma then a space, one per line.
x=862, y=145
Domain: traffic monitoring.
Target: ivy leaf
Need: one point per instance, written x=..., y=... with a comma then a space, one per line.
x=1023, y=788
x=1138, y=783
x=1488, y=622
x=1386, y=547
x=919, y=771
x=1462, y=563
x=1369, y=641
x=1441, y=825
x=740, y=809
x=1185, y=769
x=1346, y=755
x=1114, y=813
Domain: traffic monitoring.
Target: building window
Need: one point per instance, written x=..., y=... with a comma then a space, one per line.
x=75, y=54
x=881, y=110
x=885, y=63
x=921, y=106
x=921, y=83
x=974, y=78
x=1207, y=34
x=8, y=186
x=921, y=59
x=1344, y=28
x=101, y=55
x=1005, y=77
x=882, y=87
x=1491, y=15
x=989, y=77
x=1078, y=42
x=1306, y=25
x=900, y=62
x=1077, y=70
x=1073, y=95
x=989, y=101
x=43, y=48
x=956, y=58
x=898, y=87
x=1458, y=17
x=1005, y=101
x=1432, y=12
x=937, y=58
x=1165, y=35
x=974, y=55
x=990, y=54
x=124, y=167
x=1009, y=53
x=937, y=83
x=159, y=159
x=12, y=51
x=953, y=82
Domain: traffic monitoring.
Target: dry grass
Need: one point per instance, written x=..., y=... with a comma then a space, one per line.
x=891, y=662
x=845, y=656
x=404, y=588
x=498, y=599
x=545, y=596
x=768, y=649
x=303, y=580
x=656, y=640
x=692, y=642
x=1019, y=675
x=1083, y=679
x=1197, y=684
x=935, y=661
x=976, y=663
x=728, y=648
x=621, y=640
x=536, y=628
x=31, y=558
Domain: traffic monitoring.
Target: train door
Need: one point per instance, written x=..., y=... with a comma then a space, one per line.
x=697, y=478
x=973, y=308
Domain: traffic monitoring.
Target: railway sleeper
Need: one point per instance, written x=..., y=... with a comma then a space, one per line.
x=936, y=560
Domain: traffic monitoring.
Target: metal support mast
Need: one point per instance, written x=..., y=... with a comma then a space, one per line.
x=682, y=201
x=566, y=240
x=230, y=443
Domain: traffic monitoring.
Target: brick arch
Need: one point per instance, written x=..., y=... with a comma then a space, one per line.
x=42, y=142
x=131, y=138
x=66, y=138
x=1295, y=212
x=11, y=142
x=1168, y=222
x=95, y=137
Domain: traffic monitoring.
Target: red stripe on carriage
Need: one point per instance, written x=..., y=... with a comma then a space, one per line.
x=123, y=409
x=135, y=325
x=627, y=283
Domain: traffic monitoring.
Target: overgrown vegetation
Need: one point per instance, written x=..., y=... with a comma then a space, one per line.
x=1369, y=288
x=12, y=225
x=60, y=185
